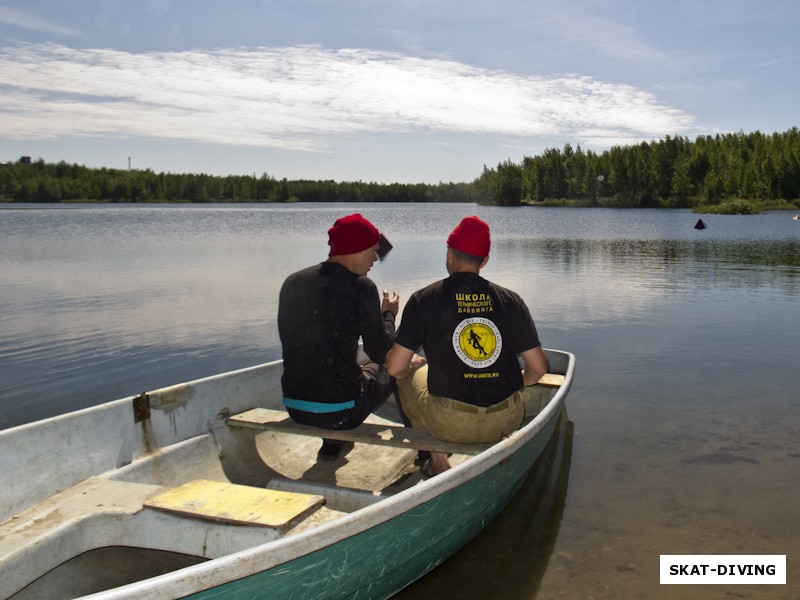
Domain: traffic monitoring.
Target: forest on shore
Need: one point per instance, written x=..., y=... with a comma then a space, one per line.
x=739, y=172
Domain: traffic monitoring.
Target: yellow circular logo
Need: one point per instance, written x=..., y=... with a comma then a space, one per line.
x=478, y=342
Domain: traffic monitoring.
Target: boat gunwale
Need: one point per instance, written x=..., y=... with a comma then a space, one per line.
x=251, y=561
x=126, y=400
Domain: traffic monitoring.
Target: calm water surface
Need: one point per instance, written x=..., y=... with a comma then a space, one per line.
x=683, y=421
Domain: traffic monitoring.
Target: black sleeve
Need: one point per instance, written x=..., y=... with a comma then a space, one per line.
x=525, y=335
x=412, y=327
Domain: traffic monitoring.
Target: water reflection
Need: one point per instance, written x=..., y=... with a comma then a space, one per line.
x=510, y=557
x=695, y=259
x=594, y=281
x=106, y=301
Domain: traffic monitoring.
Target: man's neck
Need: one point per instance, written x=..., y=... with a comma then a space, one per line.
x=345, y=260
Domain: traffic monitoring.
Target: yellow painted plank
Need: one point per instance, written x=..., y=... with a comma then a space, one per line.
x=232, y=503
x=551, y=380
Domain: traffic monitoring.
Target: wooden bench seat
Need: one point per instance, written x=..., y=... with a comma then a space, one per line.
x=380, y=434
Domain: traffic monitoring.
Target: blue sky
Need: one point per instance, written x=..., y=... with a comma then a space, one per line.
x=388, y=91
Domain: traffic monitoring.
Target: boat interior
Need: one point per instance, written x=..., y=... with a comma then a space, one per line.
x=250, y=478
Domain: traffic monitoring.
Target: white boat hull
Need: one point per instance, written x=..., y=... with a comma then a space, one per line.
x=79, y=482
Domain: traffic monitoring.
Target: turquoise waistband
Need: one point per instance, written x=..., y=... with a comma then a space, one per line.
x=317, y=407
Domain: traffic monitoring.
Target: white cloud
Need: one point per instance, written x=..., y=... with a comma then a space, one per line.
x=299, y=97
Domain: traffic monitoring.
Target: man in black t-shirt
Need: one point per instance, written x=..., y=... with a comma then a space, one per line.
x=472, y=332
x=323, y=310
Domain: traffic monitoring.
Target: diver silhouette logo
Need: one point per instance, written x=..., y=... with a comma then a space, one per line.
x=477, y=342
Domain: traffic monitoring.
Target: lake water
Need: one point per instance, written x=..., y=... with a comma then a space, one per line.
x=684, y=432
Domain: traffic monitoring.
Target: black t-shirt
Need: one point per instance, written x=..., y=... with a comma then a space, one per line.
x=471, y=331
x=322, y=312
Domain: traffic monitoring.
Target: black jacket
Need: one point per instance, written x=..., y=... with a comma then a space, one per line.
x=323, y=311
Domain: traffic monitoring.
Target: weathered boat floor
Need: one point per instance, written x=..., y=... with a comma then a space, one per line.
x=361, y=467
x=358, y=466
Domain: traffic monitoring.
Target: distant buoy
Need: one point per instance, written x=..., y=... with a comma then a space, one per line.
x=699, y=224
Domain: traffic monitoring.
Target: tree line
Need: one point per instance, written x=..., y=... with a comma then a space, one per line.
x=37, y=181
x=672, y=172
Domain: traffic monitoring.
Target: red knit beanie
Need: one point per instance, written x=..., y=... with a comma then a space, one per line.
x=471, y=235
x=352, y=234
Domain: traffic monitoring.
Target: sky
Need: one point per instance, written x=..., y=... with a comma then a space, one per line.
x=406, y=91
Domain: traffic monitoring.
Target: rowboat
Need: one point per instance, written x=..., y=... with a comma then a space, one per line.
x=207, y=490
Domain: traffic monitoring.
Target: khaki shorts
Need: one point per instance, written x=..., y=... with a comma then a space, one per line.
x=449, y=420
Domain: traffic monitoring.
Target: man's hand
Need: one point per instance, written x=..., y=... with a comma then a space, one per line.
x=392, y=304
x=418, y=361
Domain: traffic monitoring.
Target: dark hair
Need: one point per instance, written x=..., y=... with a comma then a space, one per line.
x=470, y=259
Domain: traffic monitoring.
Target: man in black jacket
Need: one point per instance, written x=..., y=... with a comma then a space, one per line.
x=323, y=311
